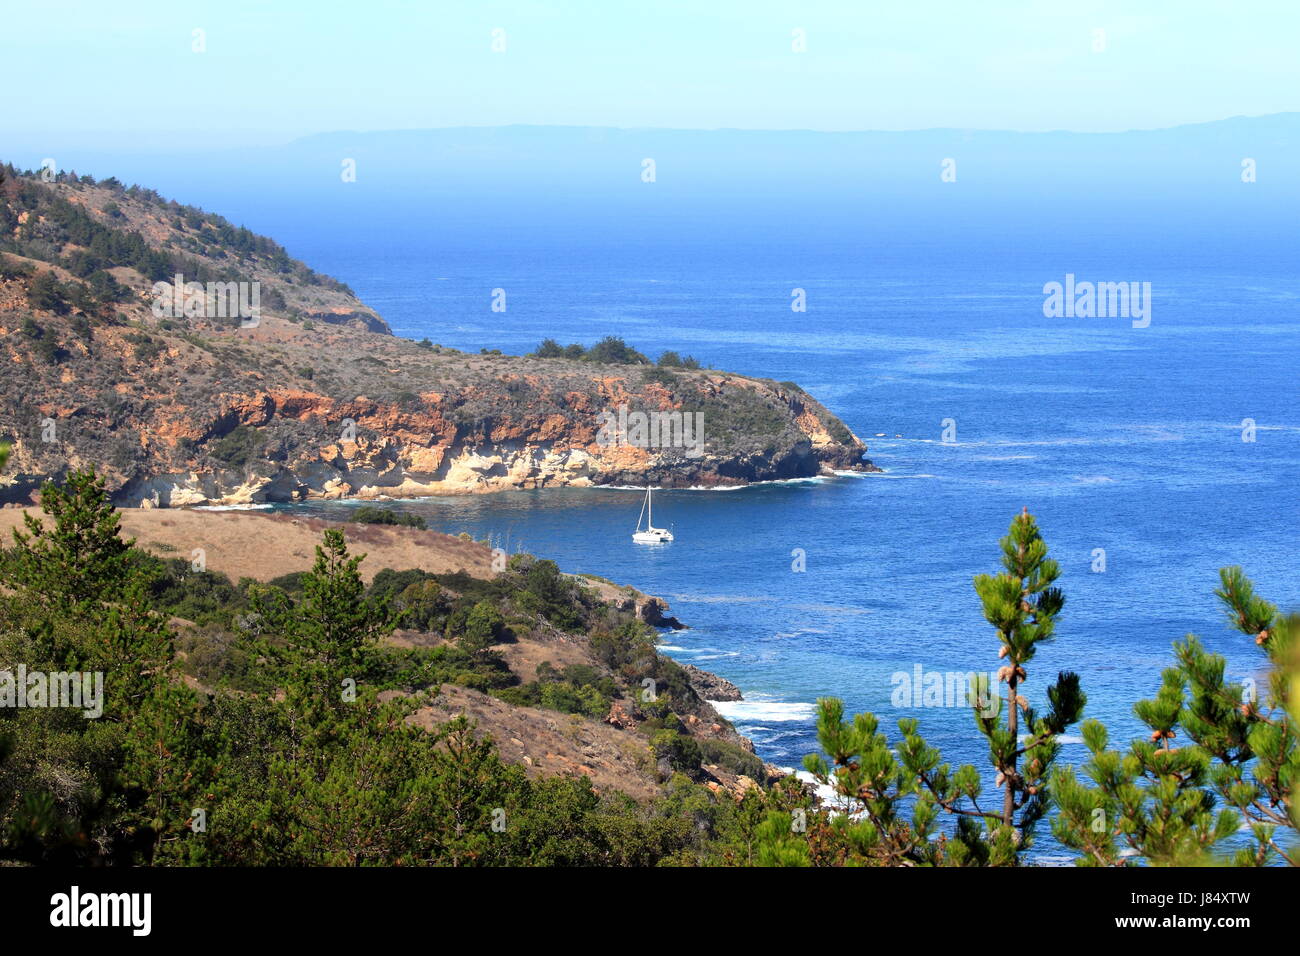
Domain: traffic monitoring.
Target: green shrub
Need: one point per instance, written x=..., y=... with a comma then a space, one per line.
x=612, y=350
x=239, y=447
x=731, y=757
x=483, y=626
x=367, y=514
x=681, y=750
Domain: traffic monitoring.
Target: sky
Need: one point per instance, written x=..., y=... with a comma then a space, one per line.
x=129, y=74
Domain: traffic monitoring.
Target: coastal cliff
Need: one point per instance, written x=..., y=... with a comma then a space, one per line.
x=313, y=397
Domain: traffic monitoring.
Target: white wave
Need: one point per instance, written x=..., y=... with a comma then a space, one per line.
x=371, y=499
x=825, y=792
x=807, y=480
x=248, y=507
x=715, y=651
x=765, y=710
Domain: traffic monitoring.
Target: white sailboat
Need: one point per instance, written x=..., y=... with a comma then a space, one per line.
x=651, y=534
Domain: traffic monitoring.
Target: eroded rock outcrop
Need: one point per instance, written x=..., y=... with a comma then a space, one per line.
x=710, y=686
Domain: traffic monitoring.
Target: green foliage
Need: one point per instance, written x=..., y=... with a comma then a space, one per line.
x=612, y=350
x=416, y=595
x=239, y=447
x=628, y=650
x=778, y=844
x=77, y=559
x=55, y=224
x=425, y=668
x=671, y=359
x=1169, y=804
x=839, y=431
x=146, y=348
x=327, y=636
x=879, y=778
x=200, y=596
x=46, y=293
x=368, y=514
x=659, y=376
x=483, y=626
x=731, y=757
x=578, y=689
x=74, y=600
x=545, y=592
x=744, y=415
x=680, y=750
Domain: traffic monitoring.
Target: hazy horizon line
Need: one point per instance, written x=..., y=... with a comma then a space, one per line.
x=183, y=140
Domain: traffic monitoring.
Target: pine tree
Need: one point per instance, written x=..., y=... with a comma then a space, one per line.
x=1269, y=724
x=1022, y=604
x=1160, y=800
x=342, y=778
x=78, y=559
x=327, y=638
x=1150, y=800
x=873, y=786
x=78, y=603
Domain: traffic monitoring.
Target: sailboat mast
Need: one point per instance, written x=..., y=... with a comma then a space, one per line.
x=650, y=509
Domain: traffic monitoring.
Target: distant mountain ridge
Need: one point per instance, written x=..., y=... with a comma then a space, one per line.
x=579, y=161
x=587, y=160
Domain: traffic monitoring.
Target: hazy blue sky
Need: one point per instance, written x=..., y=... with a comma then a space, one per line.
x=108, y=74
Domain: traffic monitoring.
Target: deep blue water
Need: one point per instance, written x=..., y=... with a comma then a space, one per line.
x=1118, y=438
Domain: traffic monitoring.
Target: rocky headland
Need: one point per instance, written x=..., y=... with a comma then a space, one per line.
x=314, y=397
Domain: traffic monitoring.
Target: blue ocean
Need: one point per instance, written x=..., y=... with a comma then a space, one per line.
x=1150, y=456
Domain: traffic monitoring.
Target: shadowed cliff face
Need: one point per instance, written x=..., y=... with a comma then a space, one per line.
x=314, y=398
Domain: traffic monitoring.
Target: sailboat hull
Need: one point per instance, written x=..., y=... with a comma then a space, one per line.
x=651, y=534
